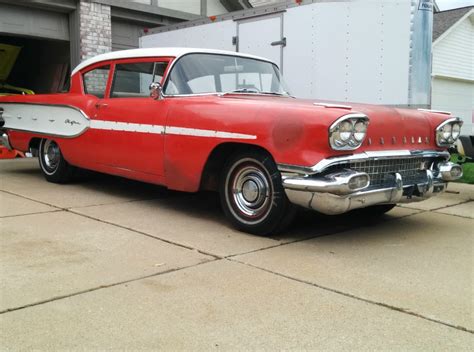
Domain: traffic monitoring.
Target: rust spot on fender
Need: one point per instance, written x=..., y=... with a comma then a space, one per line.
x=287, y=133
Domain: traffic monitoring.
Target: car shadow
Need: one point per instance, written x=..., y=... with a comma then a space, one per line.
x=206, y=205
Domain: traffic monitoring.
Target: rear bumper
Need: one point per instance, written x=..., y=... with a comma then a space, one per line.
x=337, y=193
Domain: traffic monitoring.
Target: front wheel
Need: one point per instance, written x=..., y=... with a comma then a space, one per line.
x=52, y=163
x=252, y=194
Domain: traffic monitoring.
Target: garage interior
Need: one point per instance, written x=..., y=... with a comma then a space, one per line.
x=48, y=33
x=43, y=65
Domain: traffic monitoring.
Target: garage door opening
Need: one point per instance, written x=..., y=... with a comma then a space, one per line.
x=42, y=65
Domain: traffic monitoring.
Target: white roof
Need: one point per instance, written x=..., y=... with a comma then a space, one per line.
x=157, y=52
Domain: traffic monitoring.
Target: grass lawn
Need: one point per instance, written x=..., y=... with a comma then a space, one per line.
x=468, y=170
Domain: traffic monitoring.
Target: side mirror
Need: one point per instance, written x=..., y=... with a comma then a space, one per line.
x=156, y=91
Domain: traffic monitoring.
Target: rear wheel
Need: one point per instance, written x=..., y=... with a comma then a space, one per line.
x=52, y=163
x=252, y=194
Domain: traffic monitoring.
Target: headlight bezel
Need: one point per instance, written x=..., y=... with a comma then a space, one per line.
x=351, y=143
x=442, y=141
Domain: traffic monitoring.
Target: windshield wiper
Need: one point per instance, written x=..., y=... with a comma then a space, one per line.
x=245, y=90
x=284, y=94
x=256, y=91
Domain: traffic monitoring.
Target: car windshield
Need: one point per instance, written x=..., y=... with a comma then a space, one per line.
x=213, y=73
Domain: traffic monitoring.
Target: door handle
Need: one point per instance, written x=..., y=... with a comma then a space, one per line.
x=281, y=42
x=101, y=105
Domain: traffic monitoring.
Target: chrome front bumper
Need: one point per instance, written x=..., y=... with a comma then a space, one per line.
x=335, y=194
x=4, y=141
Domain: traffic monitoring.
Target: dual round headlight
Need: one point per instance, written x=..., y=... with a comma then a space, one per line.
x=348, y=132
x=448, y=132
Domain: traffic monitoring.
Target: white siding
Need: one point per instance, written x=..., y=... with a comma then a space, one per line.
x=215, y=7
x=453, y=55
x=191, y=6
x=457, y=97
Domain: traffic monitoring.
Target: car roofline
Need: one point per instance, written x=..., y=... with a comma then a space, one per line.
x=157, y=52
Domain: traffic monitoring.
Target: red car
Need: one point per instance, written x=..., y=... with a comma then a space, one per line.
x=192, y=119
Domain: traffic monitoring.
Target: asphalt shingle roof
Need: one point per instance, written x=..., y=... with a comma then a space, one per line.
x=443, y=20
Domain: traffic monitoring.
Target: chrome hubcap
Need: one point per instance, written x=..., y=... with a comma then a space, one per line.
x=51, y=154
x=250, y=190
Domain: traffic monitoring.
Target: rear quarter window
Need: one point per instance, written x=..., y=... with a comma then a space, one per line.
x=95, y=81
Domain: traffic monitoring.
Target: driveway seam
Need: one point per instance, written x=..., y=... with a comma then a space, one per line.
x=215, y=256
x=76, y=207
x=68, y=210
x=435, y=209
x=35, y=213
x=61, y=297
x=366, y=300
x=336, y=232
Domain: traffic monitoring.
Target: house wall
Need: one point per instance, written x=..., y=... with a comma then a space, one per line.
x=453, y=74
x=453, y=55
x=214, y=7
x=95, y=29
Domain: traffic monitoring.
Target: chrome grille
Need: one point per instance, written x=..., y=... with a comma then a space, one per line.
x=382, y=171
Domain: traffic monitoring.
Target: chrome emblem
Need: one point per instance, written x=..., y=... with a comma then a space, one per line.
x=71, y=122
x=382, y=141
x=420, y=140
x=404, y=140
x=412, y=140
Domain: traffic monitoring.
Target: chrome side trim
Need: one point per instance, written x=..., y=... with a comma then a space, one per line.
x=436, y=111
x=335, y=106
x=364, y=156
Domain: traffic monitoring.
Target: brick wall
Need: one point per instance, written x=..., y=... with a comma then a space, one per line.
x=95, y=27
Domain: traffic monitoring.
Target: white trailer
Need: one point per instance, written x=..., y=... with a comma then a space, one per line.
x=373, y=51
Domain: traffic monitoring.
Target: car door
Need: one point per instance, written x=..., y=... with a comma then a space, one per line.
x=130, y=123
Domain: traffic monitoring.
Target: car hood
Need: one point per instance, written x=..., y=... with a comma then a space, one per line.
x=389, y=127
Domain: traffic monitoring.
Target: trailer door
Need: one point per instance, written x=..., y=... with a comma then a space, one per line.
x=262, y=36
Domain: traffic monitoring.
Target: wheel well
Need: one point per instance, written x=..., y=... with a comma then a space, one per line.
x=216, y=160
x=34, y=143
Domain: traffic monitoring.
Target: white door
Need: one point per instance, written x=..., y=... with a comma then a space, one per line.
x=456, y=97
x=262, y=36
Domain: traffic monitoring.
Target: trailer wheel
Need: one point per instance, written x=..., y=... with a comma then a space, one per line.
x=52, y=163
x=252, y=194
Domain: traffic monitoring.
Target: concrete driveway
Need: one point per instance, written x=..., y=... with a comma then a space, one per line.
x=109, y=263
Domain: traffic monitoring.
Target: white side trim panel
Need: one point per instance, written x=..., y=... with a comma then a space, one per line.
x=66, y=121
x=158, y=129
x=126, y=127
x=206, y=133
x=55, y=120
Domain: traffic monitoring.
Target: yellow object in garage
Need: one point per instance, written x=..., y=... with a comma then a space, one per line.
x=8, y=56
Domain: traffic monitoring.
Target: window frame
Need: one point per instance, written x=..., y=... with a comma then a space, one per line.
x=92, y=68
x=112, y=63
x=174, y=62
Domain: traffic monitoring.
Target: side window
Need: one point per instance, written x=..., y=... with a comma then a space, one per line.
x=95, y=81
x=133, y=80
